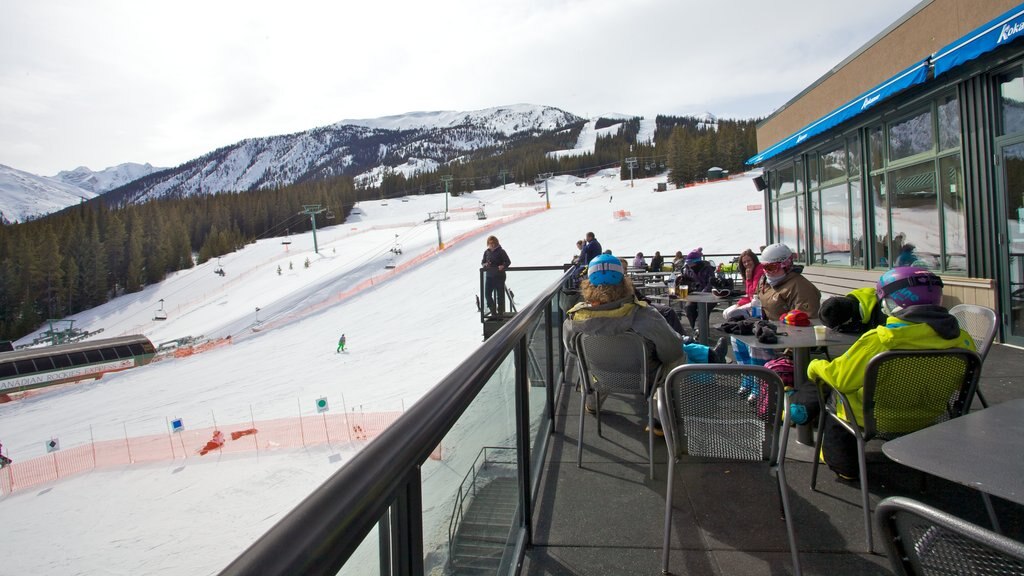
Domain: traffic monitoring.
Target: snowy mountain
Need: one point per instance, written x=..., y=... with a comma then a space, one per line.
x=106, y=179
x=361, y=148
x=25, y=196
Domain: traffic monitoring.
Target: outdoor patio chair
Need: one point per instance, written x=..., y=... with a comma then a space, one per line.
x=704, y=417
x=613, y=364
x=981, y=323
x=904, y=391
x=922, y=540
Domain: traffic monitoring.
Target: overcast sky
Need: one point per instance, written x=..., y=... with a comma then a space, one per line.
x=104, y=82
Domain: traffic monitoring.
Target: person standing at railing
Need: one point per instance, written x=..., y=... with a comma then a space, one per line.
x=494, y=262
x=591, y=249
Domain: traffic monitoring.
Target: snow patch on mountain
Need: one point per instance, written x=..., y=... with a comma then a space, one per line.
x=106, y=179
x=24, y=196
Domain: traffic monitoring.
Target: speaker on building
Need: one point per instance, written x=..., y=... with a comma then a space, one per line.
x=760, y=184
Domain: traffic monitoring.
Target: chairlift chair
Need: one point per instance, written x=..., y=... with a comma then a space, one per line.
x=160, y=314
x=330, y=215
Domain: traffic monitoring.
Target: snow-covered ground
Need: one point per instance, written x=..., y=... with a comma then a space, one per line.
x=406, y=329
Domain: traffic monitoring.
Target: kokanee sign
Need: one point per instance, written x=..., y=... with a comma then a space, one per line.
x=65, y=374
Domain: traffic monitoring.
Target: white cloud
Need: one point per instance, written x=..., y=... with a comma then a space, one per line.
x=106, y=82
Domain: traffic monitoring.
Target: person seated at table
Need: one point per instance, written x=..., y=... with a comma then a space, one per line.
x=639, y=262
x=699, y=275
x=657, y=262
x=751, y=271
x=678, y=261
x=610, y=306
x=782, y=289
x=855, y=313
x=911, y=299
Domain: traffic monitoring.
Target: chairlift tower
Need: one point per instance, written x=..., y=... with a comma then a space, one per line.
x=632, y=163
x=447, y=179
x=312, y=210
x=502, y=174
x=545, y=177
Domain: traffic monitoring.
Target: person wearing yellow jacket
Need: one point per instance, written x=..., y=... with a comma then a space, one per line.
x=911, y=299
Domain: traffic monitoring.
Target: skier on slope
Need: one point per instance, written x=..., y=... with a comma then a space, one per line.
x=341, y=344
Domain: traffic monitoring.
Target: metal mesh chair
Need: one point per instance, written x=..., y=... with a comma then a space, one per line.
x=981, y=323
x=921, y=540
x=703, y=416
x=904, y=391
x=613, y=364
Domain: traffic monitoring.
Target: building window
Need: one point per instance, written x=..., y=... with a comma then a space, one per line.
x=1011, y=101
x=911, y=136
x=914, y=215
x=954, y=212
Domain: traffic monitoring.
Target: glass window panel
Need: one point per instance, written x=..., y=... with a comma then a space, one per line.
x=954, y=214
x=798, y=243
x=833, y=164
x=7, y=369
x=911, y=136
x=1011, y=101
x=798, y=175
x=949, y=123
x=782, y=182
x=814, y=162
x=853, y=146
x=787, y=228
x=61, y=361
x=816, y=224
x=45, y=363
x=880, y=208
x=858, y=249
x=835, y=225
x=913, y=205
x=876, y=149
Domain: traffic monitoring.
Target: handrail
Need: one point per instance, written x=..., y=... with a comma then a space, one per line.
x=460, y=497
x=323, y=531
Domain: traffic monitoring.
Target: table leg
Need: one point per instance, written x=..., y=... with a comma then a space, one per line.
x=801, y=358
x=703, y=323
x=991, y=512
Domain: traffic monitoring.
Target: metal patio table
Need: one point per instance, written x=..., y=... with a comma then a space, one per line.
x=981, y=450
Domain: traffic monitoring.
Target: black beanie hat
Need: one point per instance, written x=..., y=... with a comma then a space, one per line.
x=839, y=310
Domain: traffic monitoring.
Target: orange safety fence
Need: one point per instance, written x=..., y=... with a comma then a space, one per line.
x=344, y=430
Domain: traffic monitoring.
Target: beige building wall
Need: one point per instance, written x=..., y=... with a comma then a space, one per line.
x=924, y=30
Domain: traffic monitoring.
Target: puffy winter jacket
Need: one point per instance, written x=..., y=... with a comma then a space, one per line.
x=700, y=276
x=625, y=315
x=846, y=373
x=792, y=292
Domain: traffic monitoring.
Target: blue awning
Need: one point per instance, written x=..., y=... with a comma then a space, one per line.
x=911, y=76
x=996, y=33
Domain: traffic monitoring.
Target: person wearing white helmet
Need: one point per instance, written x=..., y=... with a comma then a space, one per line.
x=783, y=287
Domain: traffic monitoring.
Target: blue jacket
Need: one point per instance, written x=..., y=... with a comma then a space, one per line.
x=591, y=250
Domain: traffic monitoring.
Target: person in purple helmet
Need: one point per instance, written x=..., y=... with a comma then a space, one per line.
x=911, y=299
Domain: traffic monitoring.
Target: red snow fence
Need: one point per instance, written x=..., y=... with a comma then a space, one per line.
x=338, y=431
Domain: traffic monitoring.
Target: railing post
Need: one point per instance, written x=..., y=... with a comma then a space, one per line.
x=522, y=390
x=407, y=527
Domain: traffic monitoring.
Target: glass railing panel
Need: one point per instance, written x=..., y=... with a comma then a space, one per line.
x=538, y=354
x=365, y=561
x=470, y=483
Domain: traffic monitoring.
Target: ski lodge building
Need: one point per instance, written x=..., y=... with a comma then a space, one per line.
x=911, y=149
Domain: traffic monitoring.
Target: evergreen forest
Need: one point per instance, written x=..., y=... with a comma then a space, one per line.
x=85, y=255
